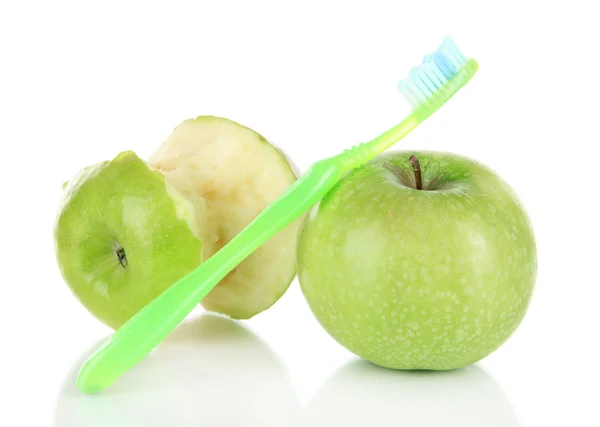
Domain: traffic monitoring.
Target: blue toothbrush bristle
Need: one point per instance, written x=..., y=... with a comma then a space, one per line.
x=435, y=71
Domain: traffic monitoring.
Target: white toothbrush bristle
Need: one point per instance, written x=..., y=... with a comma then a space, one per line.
x=435, y=71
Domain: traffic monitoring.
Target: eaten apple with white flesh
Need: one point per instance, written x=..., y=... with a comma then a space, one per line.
x=424, y=261
x=126, y=231
x=122, y=236
x=231, y=173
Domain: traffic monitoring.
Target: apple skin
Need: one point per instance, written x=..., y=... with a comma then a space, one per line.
x=432, y=279
x=123, y=204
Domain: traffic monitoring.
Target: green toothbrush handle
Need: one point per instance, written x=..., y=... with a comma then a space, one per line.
x=427, y=88
x=153, y=323
x=144, y=331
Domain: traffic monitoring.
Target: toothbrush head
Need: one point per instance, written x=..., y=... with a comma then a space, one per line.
x=437, y=79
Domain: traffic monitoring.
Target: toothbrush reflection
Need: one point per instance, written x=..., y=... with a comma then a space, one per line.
x=210, y=371
x=362, y=394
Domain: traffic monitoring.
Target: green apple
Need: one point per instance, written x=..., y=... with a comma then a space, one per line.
x=230, y=173
x=122, y=236
x=432, y=273
x=126, y=229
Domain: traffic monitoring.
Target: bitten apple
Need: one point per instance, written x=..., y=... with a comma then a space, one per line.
x=230, y=174
x=128, y=229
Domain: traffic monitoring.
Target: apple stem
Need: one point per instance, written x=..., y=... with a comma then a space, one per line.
x=417, y=170
x=120, y=252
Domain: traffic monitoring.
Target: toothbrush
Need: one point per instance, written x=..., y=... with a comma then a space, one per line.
x=427, y=88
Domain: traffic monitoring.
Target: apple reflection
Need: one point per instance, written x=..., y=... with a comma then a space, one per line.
x=210, y=371
x=362, y=394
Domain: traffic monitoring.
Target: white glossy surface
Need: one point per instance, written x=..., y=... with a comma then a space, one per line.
x=214, y=371
x=211, y=370
x=81, y=81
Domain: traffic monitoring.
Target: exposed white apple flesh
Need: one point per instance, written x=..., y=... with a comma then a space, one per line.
x=230, y=174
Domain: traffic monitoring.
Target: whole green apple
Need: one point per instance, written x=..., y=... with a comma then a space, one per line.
x=419, y=262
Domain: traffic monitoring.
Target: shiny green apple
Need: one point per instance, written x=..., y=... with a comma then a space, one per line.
x=431, y=273
x=122, y=237
x=128, y=229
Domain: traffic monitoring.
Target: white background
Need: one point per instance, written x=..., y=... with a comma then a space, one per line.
x=82, y=81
